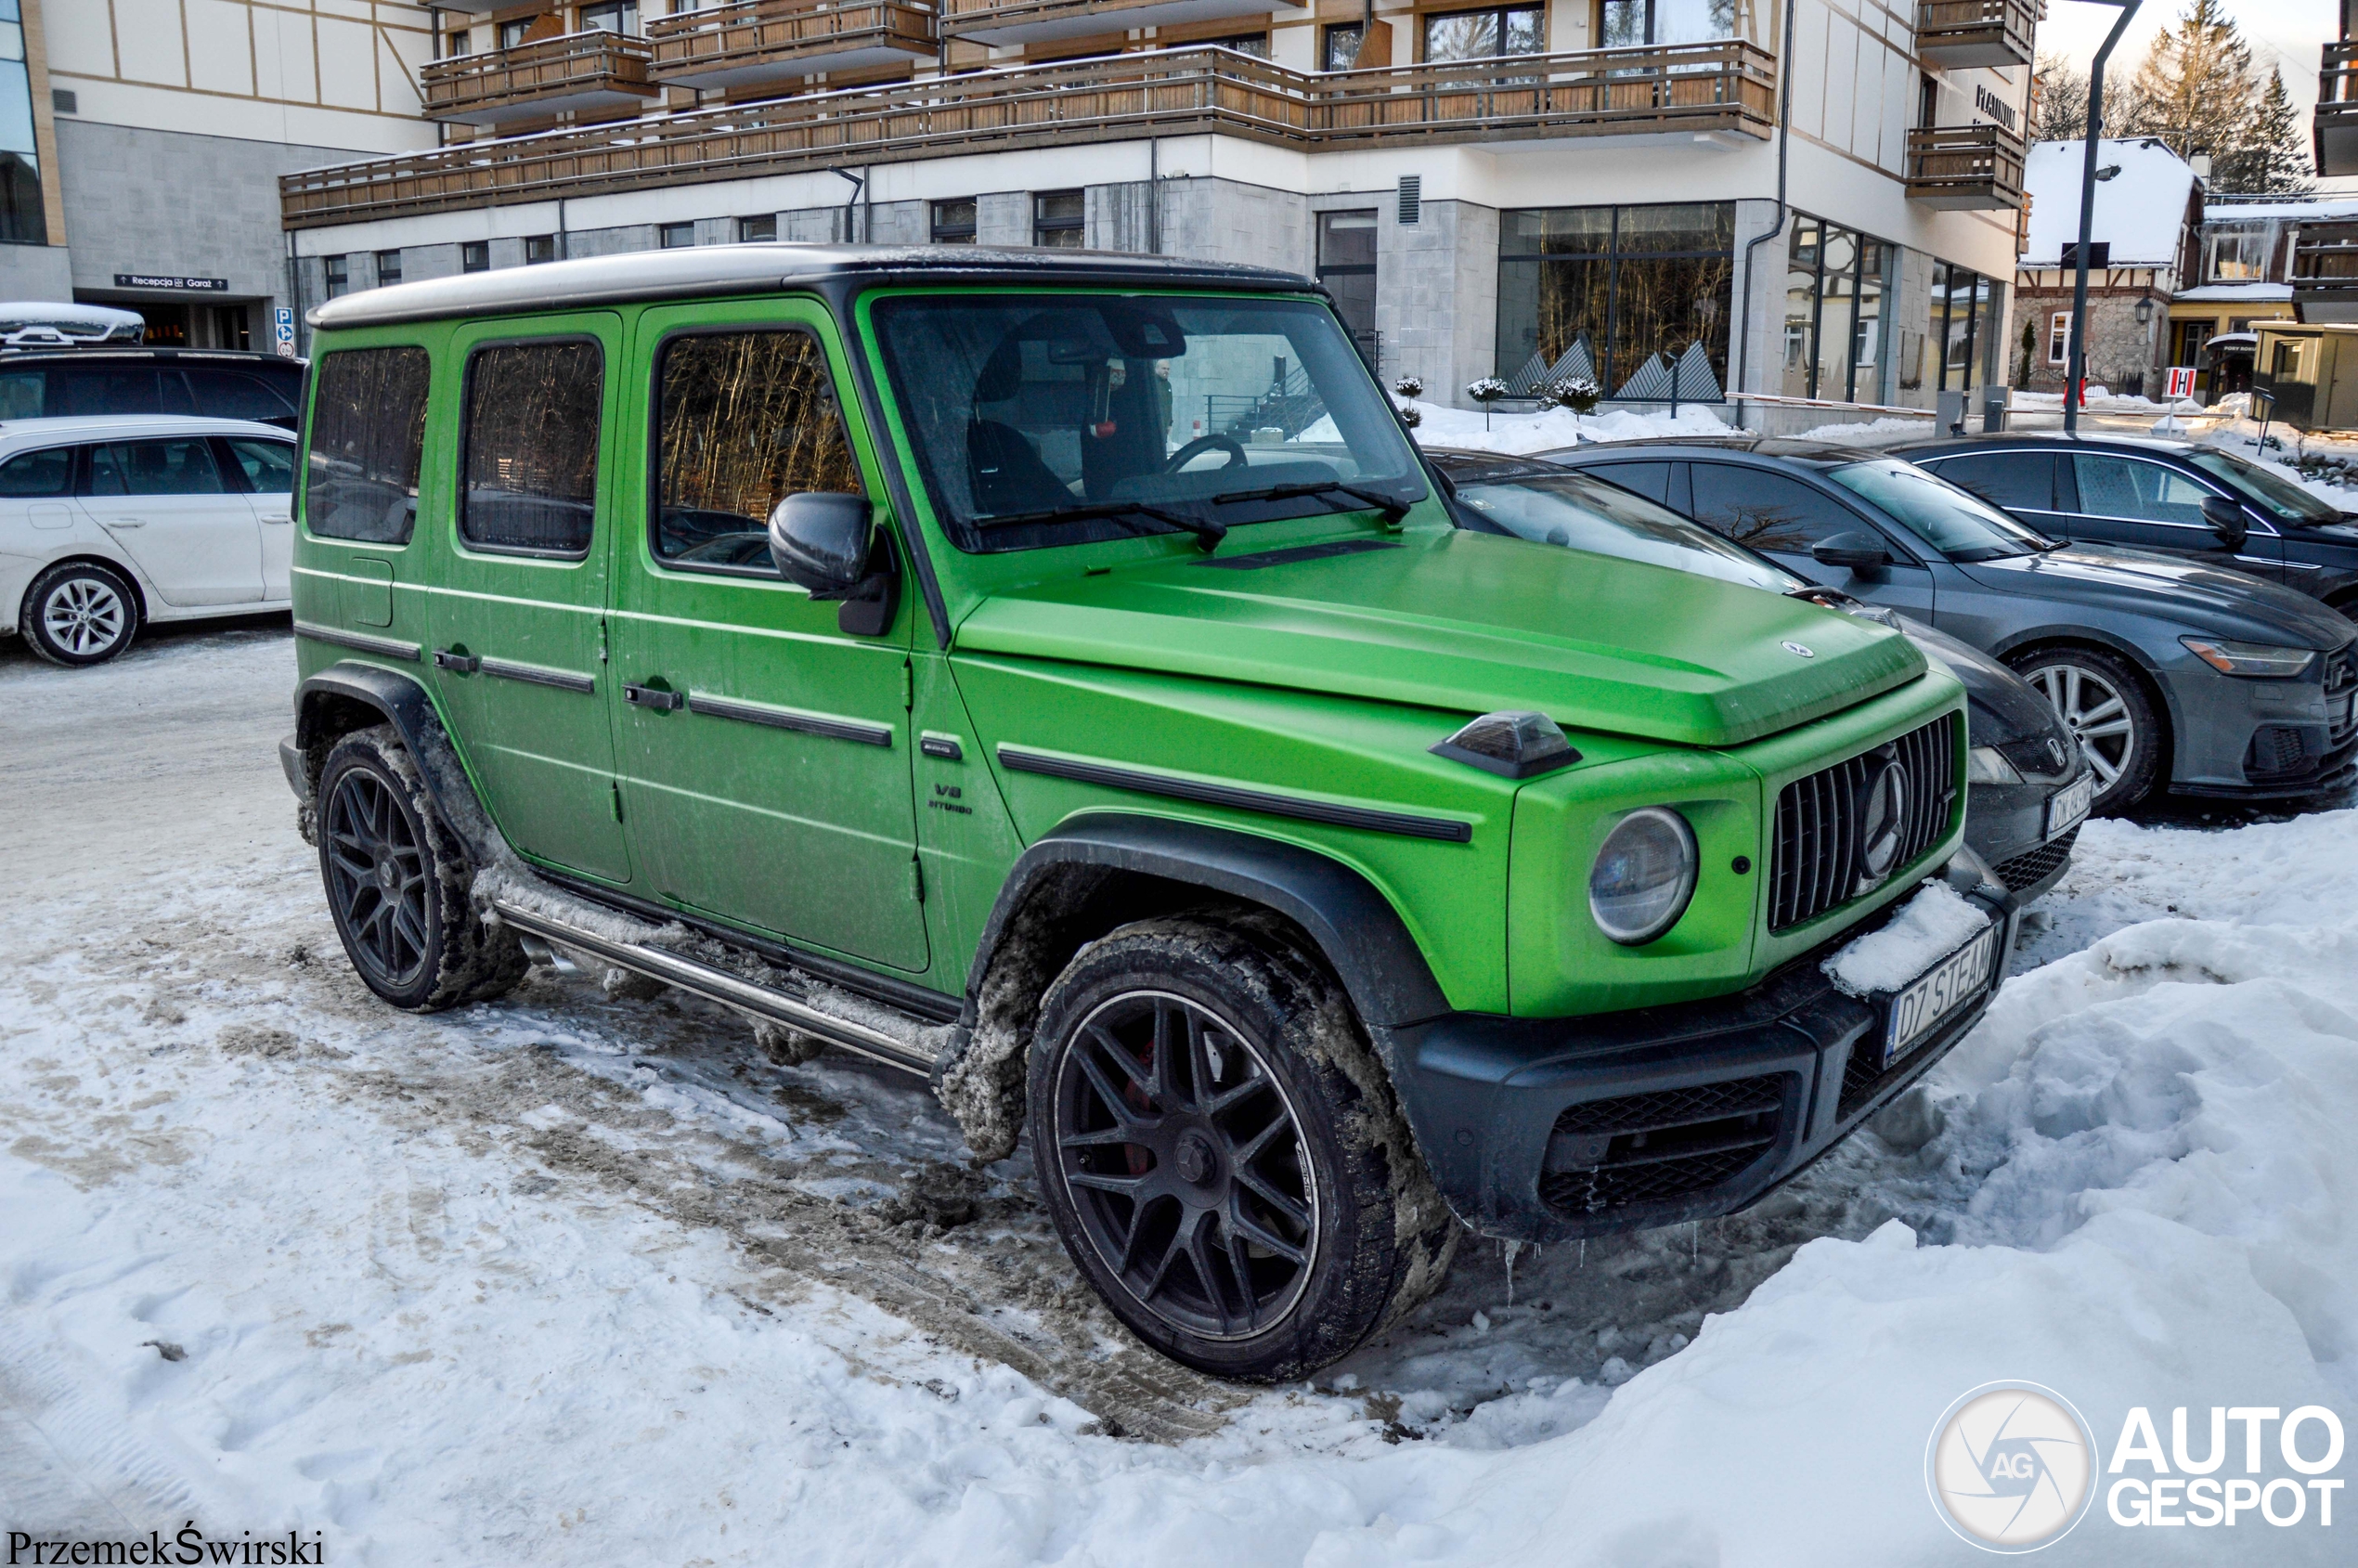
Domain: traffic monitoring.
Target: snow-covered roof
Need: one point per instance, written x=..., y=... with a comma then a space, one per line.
x=2305, y=209
x=2264, y=293
x=2140, y=211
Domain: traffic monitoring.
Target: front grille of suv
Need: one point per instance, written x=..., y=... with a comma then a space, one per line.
x=1818, y=859
x=1646, y=1148
x=2341, y=674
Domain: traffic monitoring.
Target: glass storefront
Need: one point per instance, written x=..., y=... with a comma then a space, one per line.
x=1838, y=289
x=1963, y=314
x=1632, y=298
x=22, y=222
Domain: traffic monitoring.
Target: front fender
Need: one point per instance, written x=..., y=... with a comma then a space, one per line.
x=348, y=695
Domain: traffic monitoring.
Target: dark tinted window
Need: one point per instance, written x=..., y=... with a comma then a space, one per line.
x=368, y=432
x=268, y=466
x=747, y=419
x=154, y=468
x=531, y=463
x=24, y=394
x=2017, y=481
x=38, y=473
x=101, y=389
x=1650, y=480
x=233, y=394
x=1766, y=510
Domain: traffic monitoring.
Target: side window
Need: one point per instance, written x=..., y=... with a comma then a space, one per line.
x=2017, y=481
x=1650, y=480
x=368, y=434
x=2111, y=487
x=92, y=389
x=38, y=473
x=531, y=459
x=1765, y=510
x=155, y=468
x=747, y=418
x=231, y=395
x=268, y=466
x=24, y=394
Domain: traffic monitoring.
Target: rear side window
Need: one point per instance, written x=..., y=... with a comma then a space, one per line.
x=268, y=466
x=233, y=394
x=2017, y=481
x=38, y=473
x=368, y=434
x=1766, y=510
x=530, y=461
x=24, y=394
x=155, y=468
x=1650, y=480
x=747, y=419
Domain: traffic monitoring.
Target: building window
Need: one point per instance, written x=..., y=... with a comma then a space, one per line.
x=2238, y=256
x=1620, y=295
x=455, y=45
x=755, y=230
x=675, y=236
x=953, y=221
x=2058, y=337
x=21, y=219
x=388, y=266
x=1837, y=286
x=613, y=15
x=1058, y=219
x=1339, y=46
x=1347, y=267
x=1254, y=44
x=1480, y=36
x=475, y=256
x=2192, y=335
x=512, y=33
x=63, y=101
x=1962, y=301
x=338, y=271
x=1632, y=23
x=538, y=247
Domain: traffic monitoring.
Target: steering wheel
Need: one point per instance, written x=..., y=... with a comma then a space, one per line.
x=1202, y=444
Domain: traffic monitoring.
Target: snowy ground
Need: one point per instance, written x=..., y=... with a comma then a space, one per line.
x=581, y=1279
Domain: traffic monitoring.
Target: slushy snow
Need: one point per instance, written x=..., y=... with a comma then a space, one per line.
x=1935, y=922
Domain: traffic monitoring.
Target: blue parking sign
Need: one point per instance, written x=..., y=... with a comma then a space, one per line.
x=282, y=329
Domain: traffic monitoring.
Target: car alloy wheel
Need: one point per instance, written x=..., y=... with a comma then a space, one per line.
x=1183, y=1158
x=84, y=616
x=377, y=871
x=2094, y=710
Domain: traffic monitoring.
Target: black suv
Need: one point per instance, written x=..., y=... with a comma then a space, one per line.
x=217, y=382
x=2177, y=496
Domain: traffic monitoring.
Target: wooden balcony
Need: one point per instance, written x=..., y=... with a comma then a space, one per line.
x=2324, y=272
x=592, y=71
x=1725, y=87
x=1954, y=33
x=1960, y=168
x=1040, y=21
x=2337, y=122
x=753, y=42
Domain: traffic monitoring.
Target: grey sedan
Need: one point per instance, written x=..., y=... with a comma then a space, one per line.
x=2174, y=675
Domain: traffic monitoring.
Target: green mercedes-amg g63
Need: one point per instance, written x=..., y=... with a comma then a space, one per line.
x=1059, y=675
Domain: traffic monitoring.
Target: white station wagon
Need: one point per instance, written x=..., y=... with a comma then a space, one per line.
x=108, y=523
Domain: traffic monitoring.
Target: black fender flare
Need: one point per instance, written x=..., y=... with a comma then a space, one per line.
x=401, y=701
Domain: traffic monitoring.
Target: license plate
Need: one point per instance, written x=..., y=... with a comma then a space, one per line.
x=1933, y=996
x=2071, y=803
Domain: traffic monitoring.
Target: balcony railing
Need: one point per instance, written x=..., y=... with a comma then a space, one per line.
x=752, y=41
x=2337, y=122
x=1960, y=167
x=580, y=71
x=1040, y=21
x=1692, y=89
x=1953, y=34
x=2324, y=272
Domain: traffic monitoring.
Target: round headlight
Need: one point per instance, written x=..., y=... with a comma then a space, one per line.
x=1643, y=876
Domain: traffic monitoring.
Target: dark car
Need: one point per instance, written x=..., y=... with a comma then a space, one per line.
x=217, y=383
x=2172, y=674
x=2178, y=497
x=2028, y=786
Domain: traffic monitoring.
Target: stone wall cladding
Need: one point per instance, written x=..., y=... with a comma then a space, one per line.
x=2117, y=348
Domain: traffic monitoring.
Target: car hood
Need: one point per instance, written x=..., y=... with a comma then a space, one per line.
x=1469, y=623
x=2002, y=709
x=2188, y=593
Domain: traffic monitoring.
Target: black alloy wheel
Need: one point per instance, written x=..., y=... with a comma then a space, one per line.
x=377, y=880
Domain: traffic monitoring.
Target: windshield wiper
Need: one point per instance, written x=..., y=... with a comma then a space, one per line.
x=1208, y=533
x=1392, y=507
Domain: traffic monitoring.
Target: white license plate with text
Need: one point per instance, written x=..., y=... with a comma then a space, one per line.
x=1933, y=996
x=2070, y=804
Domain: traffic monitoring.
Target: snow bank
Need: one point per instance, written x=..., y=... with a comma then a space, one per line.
x=1874, y=433
x=1517, y=433
x=1937, y=921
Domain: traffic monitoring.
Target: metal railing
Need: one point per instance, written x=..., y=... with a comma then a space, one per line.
x=524, y=73
x=1965, y=166
x=1728, y=85
x=1963, y=32
x=747, y=34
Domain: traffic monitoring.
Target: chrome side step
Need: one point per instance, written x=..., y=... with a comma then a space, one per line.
x=718, y=985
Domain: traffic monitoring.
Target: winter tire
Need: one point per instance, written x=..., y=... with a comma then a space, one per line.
x=80, y=614
x=1222, y=1153
x=396, y=883
x=2102, y=701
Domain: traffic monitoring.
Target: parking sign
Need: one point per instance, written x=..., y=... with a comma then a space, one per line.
x=2181, y=381
x=282, y=330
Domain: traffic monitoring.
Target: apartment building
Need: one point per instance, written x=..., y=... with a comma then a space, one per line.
x=145, y=140
x=1528, y=190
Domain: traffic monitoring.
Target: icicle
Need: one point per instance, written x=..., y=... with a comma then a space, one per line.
x=1510, y=1248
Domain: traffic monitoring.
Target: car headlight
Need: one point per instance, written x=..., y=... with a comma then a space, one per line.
x=1643, y=876
x=1984, y=764
x=2247, y=659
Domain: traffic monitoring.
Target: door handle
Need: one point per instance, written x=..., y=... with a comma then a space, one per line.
x=652, y=696
x=277, y=517
x=127, y=521
x=456, y=662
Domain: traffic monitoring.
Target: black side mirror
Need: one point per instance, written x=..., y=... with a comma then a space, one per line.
x=826, y=542
x=1858, y=552
x=2226, y=520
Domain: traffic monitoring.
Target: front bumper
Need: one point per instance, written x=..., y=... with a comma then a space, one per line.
x=2006, y=826
x=2248, y=739
x=1758, y=1084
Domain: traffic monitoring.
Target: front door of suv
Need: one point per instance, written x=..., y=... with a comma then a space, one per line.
x=2112, y=497
x=765, y=751
x=519, y=625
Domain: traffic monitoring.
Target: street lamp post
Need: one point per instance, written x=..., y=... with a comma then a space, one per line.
x=2076, y=365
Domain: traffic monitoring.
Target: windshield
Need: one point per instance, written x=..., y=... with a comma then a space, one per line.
x=2273, y=493
x=1582, y=512
x=1021, y=407
x=1961, y=525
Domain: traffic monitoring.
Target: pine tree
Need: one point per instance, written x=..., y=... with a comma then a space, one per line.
x=2269, y=158
x=2196, y=89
